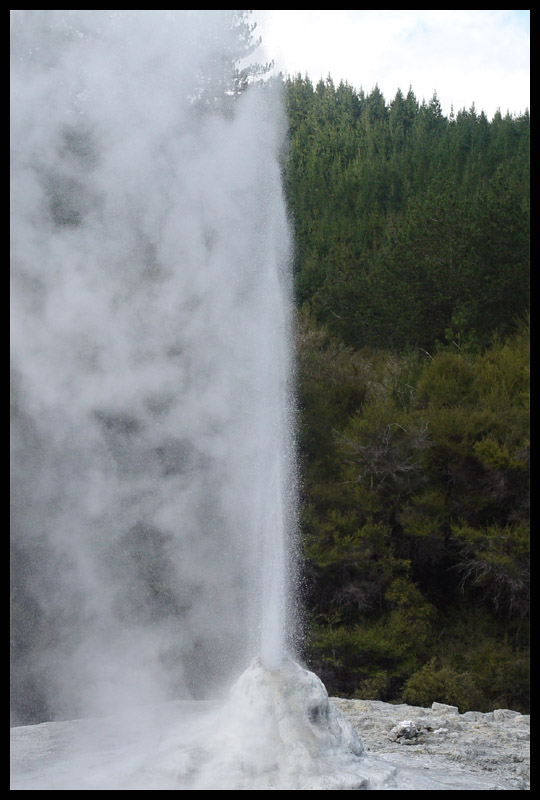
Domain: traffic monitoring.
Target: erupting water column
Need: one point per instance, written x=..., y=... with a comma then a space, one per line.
x=152, y=436
x=153, y=465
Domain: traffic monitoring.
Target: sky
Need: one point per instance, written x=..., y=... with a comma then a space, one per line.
x=466, y=57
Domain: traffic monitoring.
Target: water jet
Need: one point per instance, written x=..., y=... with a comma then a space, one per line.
x=153, y=459
x=150, y=353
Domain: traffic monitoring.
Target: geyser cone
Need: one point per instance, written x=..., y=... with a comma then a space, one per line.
x=278, y=730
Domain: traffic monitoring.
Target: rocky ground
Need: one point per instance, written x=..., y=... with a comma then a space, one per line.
x=490, y=749
x=276, y=733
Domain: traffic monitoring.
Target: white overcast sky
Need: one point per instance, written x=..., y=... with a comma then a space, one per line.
x=465, y=56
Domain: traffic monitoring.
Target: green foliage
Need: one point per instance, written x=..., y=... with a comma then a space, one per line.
x=416, y=518
x=411, y=267
x=495, y=560
x=226, y=76
x=448, y=381
x=442, y=684
x=410, y=229
x=384, y=448
x=478, y=665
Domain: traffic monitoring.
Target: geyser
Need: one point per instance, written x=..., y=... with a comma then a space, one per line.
x=153, y=480
x=152, y=458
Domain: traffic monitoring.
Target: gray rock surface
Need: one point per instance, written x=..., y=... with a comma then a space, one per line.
x=277, y=730
x=489, y=748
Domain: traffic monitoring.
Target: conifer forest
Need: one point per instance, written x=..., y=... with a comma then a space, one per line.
x=411, y=263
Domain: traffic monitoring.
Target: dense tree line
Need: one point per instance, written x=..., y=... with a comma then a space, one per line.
x=410, y=229
x=411, y=269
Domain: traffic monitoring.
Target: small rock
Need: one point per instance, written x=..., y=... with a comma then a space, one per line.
x=478, y=716
x=405, y=731
x=502, y=714
x=442, y=708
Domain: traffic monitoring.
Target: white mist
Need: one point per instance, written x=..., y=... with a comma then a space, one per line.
x=152, y=445
x=152, y=453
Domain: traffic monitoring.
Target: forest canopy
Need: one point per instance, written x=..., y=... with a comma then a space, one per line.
x=411, y=264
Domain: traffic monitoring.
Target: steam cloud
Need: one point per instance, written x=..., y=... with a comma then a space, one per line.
x=151, y=458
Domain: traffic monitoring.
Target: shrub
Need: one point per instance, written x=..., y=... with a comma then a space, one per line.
x=442, y=684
